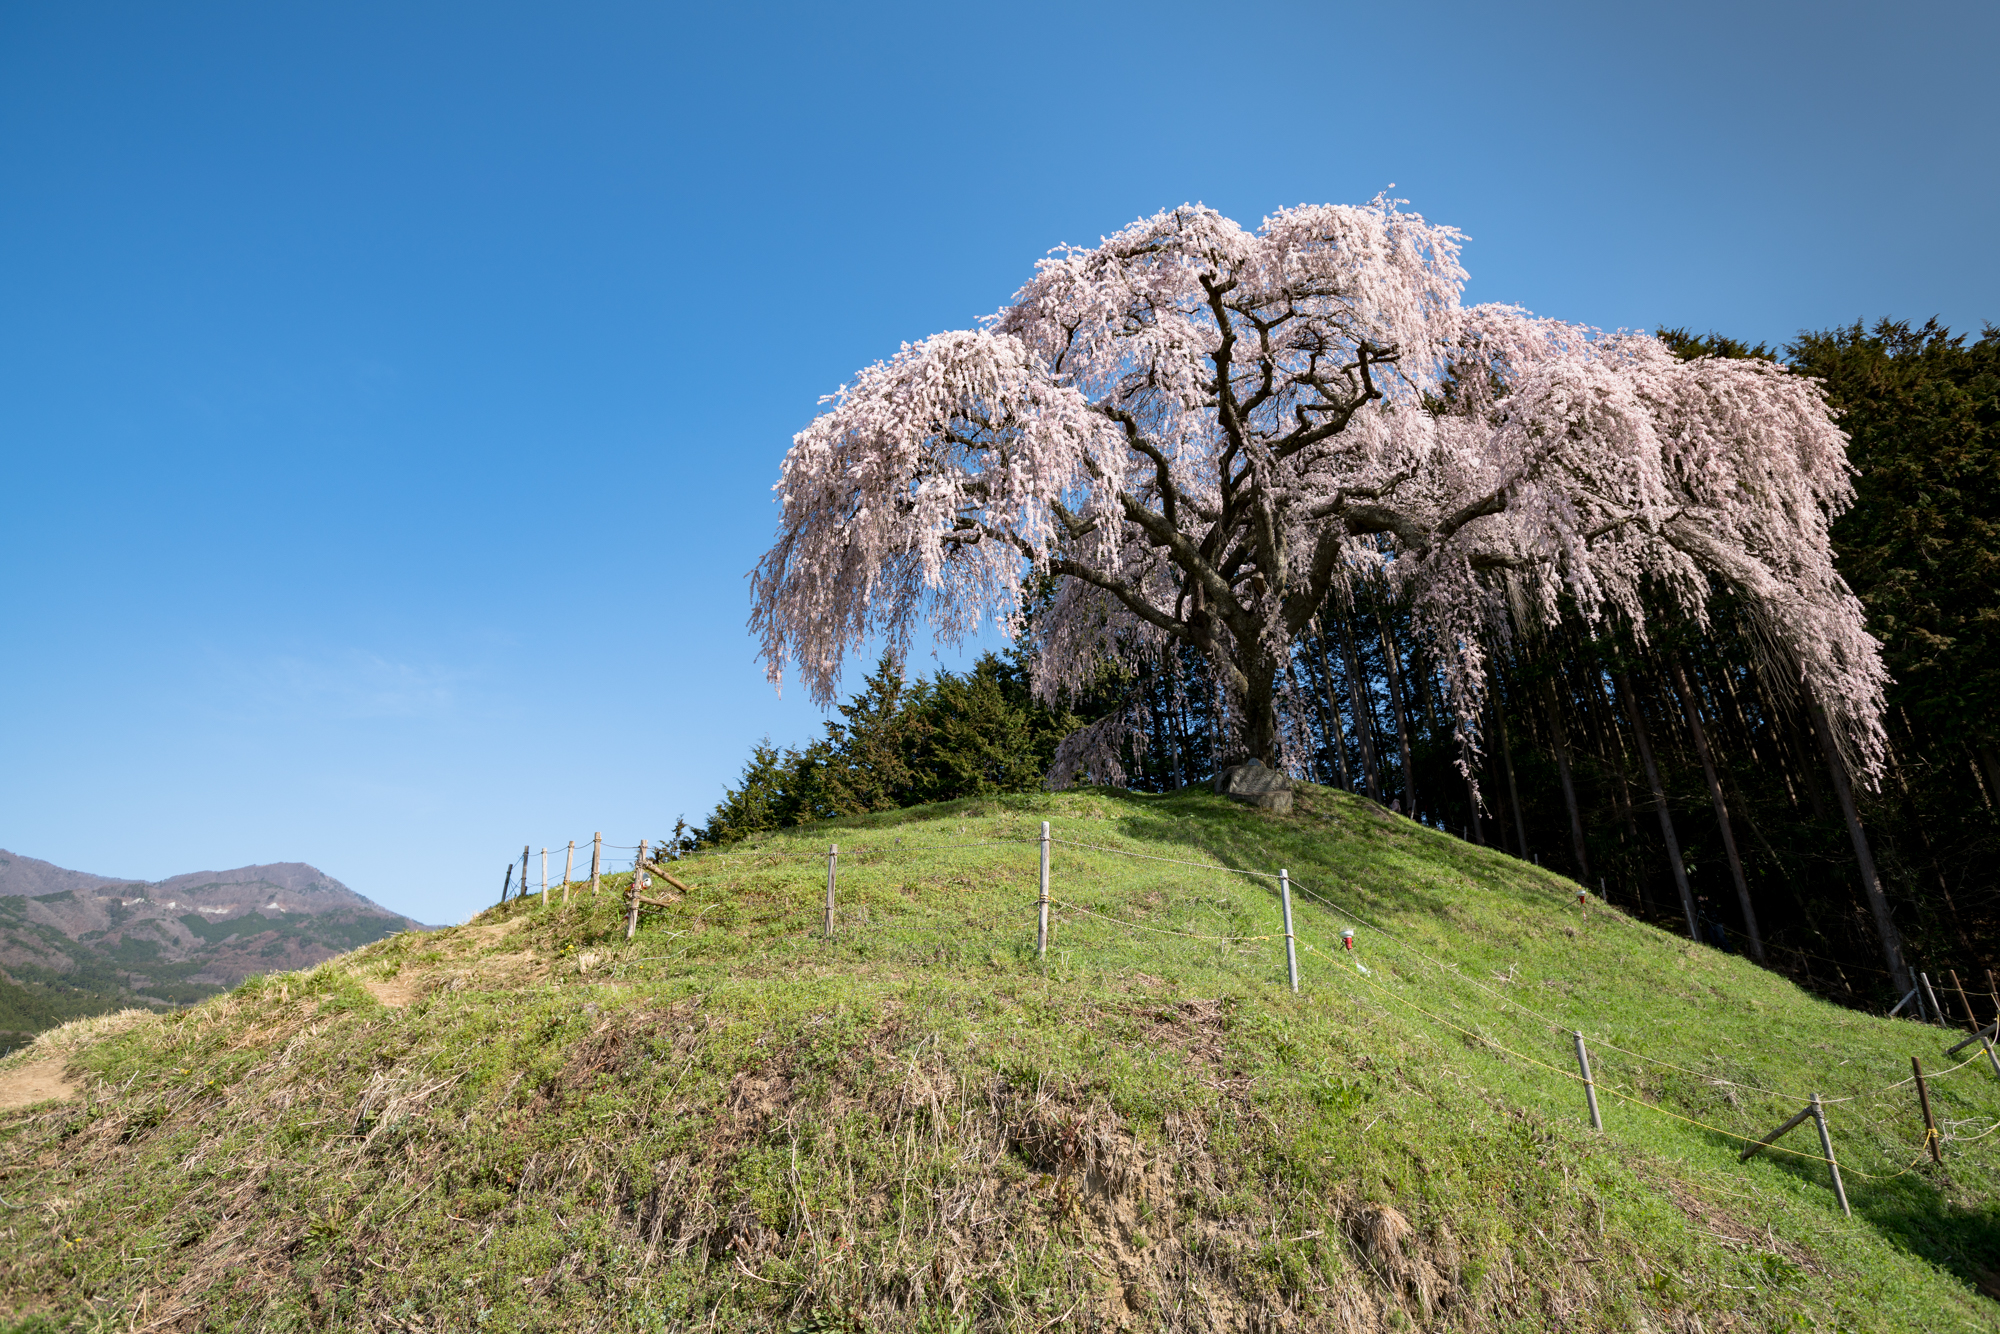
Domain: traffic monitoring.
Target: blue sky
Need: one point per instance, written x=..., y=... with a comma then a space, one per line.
x=390, y=394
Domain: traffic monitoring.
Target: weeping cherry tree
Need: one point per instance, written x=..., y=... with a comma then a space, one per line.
x=1196, y=432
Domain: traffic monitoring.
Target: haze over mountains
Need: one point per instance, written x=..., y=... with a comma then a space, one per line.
x=74, y=943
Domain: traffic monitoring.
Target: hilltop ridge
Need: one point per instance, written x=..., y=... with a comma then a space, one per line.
x=733, y=1122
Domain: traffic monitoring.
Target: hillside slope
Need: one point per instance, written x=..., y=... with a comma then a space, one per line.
x=73, y=943
x=527, y=1123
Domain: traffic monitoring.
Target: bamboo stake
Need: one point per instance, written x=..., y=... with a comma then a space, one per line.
x=1937, y=1011
x=1826, y=1146
x=1773, y=1137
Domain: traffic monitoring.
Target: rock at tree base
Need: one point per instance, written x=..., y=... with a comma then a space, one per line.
x=1253, y=784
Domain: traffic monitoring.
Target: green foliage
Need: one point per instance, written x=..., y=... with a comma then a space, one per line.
x=899, y=743
x=1921, y=547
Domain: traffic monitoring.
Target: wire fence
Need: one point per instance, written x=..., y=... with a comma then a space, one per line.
x=1408, y=961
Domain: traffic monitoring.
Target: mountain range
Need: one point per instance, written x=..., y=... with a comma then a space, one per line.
x=73, y=943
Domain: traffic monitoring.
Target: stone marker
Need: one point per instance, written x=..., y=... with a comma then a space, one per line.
x=1255, y=785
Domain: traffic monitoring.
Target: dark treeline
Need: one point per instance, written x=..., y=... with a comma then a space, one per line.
x=1682, y=777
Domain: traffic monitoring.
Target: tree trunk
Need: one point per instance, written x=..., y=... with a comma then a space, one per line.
x=1389, y=663
x=1472, y=805
x=1614, y=752
x=1992, y=763
x=1701, y=748
x=1561, y=746
x=1260, y=712
x=1364, y=722
x=1513, y=789
x=1333, y=736
x=1871, y=885
x=1638, y=717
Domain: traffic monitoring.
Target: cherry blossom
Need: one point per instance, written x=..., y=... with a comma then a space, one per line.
x=1196, y=432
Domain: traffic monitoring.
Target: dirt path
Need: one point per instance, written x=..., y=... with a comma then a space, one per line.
x=396, y=993
x=38, y=1081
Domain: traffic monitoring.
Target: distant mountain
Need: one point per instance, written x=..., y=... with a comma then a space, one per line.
x=74, y=943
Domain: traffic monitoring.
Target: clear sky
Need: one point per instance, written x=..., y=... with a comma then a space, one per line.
x=390, y=394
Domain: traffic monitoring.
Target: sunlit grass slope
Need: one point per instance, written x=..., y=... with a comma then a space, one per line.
x=731, y=1123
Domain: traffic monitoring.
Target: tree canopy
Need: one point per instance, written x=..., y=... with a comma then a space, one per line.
x=1200, y=432
x=900, y=743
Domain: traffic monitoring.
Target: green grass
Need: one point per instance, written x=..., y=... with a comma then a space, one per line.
x=732, y=1123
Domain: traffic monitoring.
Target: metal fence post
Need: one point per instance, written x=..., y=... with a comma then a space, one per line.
x=1291, y=950
x=1042, y=929
x=1589, y=1084
x=832, y=865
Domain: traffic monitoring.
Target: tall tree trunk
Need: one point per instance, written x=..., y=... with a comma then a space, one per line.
x=1978, y=780
x=1364, y=721
x=1568, y=785
x=1390, y=665
x=1992, y=763
x=1611, y=744
x=1871, y=885
x=1260, y=710
x=1333, y=736
x=1513, y=789
x=1472, y=805
x=1701, y=748
x=1638, y=717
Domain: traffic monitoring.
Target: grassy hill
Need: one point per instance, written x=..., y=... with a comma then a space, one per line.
x=527, y=1123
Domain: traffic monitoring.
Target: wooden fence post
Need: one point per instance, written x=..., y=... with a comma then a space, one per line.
x=545, y=877
x=524, y=872
x=1924, y=1101
x=1042, y=929
x=1291, y=949
x=1589, y=1085
x=596, y=850
x=507, y=882
x=569, y=861
x=632, y=914
x=1963, y=1003
x=832, y=864
x=1826, y=1146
